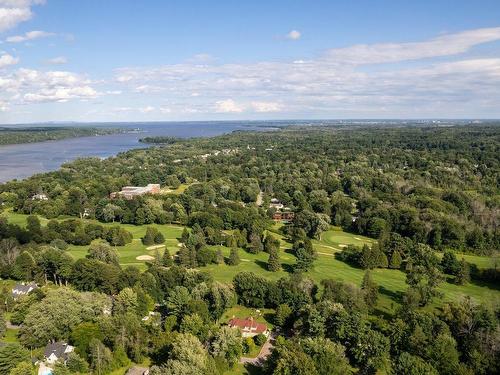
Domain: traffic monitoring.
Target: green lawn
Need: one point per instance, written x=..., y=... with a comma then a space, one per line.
x=479, y=261
x=127, y=253
x=391, y=282
x=10, y=336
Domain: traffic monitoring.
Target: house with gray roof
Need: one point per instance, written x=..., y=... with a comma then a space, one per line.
x=23, y=289
x=57, y=351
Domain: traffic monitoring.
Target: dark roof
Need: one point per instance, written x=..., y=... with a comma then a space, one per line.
x=23, y=288
x=57, y=348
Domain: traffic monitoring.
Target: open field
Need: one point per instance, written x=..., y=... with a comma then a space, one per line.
x=391, y=282
x=128, y=254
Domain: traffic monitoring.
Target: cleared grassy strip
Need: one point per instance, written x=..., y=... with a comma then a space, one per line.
x=391, y=282
x=128, y=254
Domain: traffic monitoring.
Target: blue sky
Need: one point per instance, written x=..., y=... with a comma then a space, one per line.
x=220, y=60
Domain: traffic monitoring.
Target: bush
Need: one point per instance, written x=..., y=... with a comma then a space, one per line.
x=59, y=244
x=248, y=345
x=260, y=339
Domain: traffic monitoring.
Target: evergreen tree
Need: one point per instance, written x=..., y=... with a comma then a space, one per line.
x=184, y=256
x=219, y=257
x=396, y=260
x=3, y=327
x=370, y=290
x=255, y=246
x=463, y=274
x=157, y=257
x=184, y=236
x=193, y=258
x=273, y=264
x=167, y=260
x=159, y=238
x=271, y=243
x=149, y=237
x=368, y=258
x=234, y=258
x=305, y=257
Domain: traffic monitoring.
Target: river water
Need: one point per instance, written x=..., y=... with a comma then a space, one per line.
x=23, y=160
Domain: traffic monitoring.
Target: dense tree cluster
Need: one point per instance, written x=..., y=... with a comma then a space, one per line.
x=416, y=190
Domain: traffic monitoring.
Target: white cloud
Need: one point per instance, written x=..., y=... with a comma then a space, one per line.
x=339, y=83
x=25, y=86
x=294, y=35
x=30, y=35
x=335, y=83
x=228, y=106
x=59, y=60
x=147, y=109
x=60, y=94
x=6, y=60
x=264, y=107
x=13, y=12
x=444, y=45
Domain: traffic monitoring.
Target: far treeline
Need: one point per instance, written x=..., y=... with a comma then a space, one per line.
x=11, y=135
x=417, y=190
x=161, y=140
x=436, y=186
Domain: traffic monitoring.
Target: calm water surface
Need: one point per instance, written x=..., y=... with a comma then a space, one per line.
x=24, y=160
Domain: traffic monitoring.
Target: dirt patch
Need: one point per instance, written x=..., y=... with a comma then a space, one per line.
x=145, y=257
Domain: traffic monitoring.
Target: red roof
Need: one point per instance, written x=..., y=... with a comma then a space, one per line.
x=248, y=325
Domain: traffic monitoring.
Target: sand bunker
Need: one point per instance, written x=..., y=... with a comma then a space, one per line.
x=145, y=257
x=342, y=245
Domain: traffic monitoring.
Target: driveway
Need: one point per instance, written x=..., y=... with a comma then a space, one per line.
x=265, y=351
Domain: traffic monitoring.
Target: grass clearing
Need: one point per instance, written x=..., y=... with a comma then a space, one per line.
x=391, y=282
x=127, y=254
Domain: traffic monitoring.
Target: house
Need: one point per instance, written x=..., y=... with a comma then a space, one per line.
x=39, y=197
x=275, y=203
x=249, y=327
x=57, y=351
x=23, y=289
x=284, y=215
x=137, y=371
x=130, y=192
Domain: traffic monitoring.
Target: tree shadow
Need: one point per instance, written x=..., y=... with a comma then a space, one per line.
x=289, y=251
x=289, y=268
x=261, y=264
x=269, y=317
x=253, y=369
x=396, y=296
x=485, y=284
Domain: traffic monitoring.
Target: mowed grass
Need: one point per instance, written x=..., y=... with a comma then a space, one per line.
x=127, y=254
x=391, y=282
